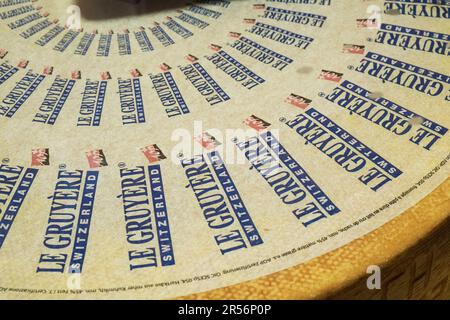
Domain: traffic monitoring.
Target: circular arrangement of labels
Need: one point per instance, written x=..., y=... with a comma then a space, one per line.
x=164, y=148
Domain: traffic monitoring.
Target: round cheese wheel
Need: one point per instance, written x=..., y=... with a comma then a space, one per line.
x=224, y=149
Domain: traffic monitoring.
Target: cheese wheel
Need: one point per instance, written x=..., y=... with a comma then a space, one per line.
x=217, y=149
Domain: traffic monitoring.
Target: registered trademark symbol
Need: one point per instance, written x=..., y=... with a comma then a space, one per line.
x=180, y=155
x=350, y=67
x=5, y=160
x=121, y=165
x=234, y=140
x=369, y=39
x=321, y=94
x=282, y=119
x=62, y=166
